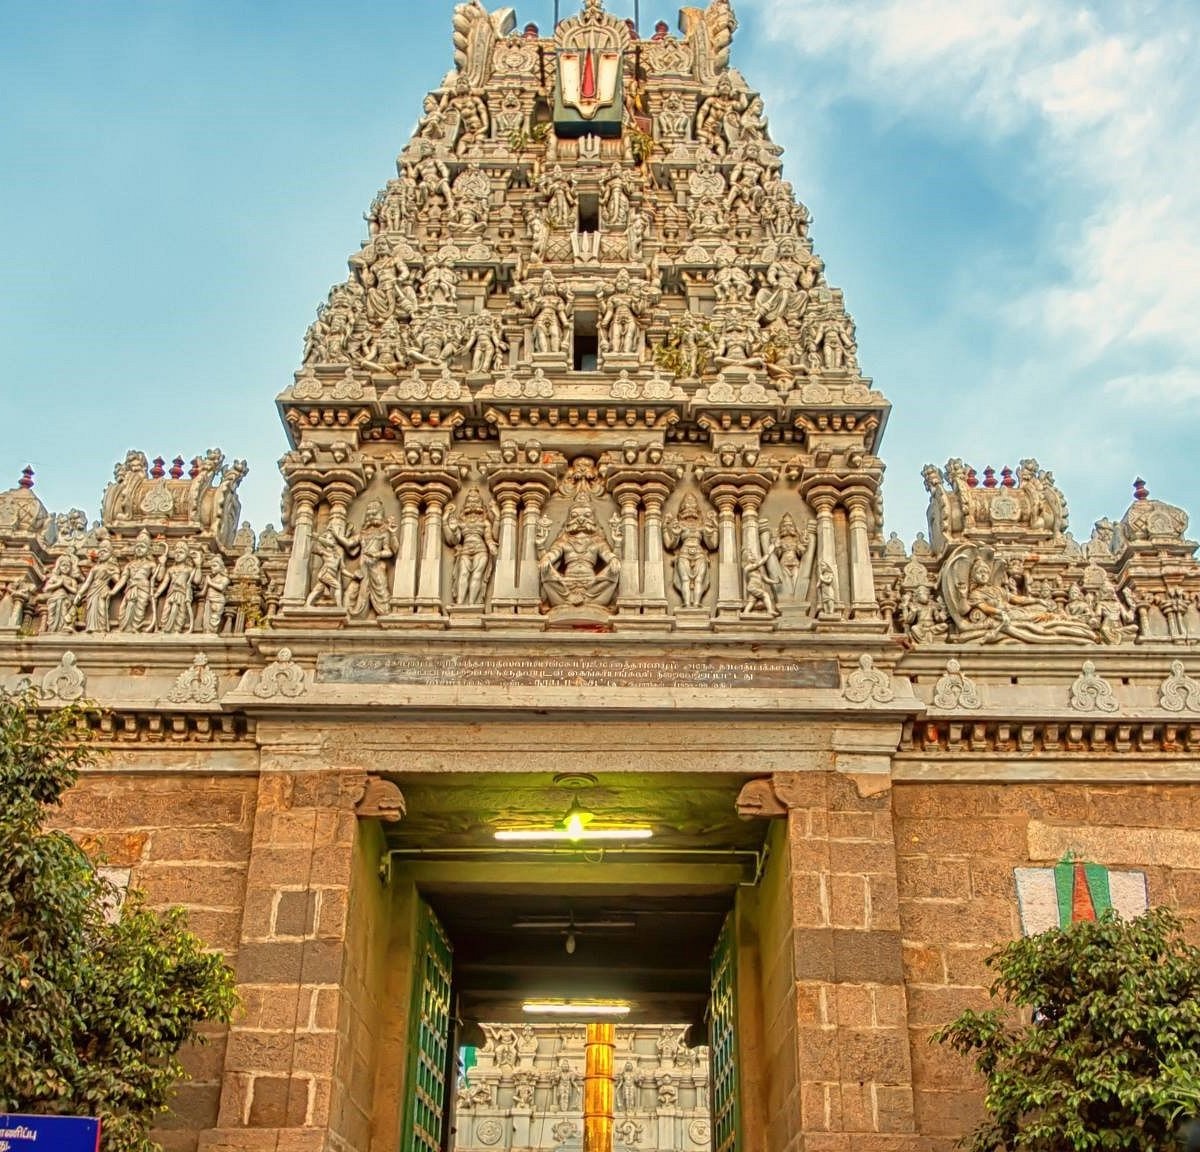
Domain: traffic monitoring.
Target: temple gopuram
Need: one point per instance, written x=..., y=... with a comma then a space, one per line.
x=582, y=718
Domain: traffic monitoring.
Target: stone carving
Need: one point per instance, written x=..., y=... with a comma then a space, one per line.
x=564, y=1130
x=66, y=681
x=476, y=32
x=954, y=690
x=96, y=591
x=1092, y=693
x=629, y=1132
x=829, y=597
x=549, y=307
x=718, y=121
x=961, y=506
x=707, y=191
x=628, y=1092
x=565, y=1085
x=580, y=567
x=504, y=1044
x=623, y=308
x=203, y=499
x=523, y=1086
x=617, y=192
x=709, y=32
x=692, y=536
x=673, y=123
x=376, y=546
x=214, y=588
x=983, y=608
x=758, y=583
x=489, y=1130
x=472, y=534
x=177, y=589
x=1179, y=692
x=328, y=582
x=282, y=677
x=381, y=800
x=560, y=199
x=867, y=684
x=195, y=685
x=668, y=1090
x=485, y=343
x=922, y=618
x=60, y=593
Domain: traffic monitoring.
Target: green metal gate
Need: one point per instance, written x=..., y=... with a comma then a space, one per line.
x=722, y=1039
x=428, y=1037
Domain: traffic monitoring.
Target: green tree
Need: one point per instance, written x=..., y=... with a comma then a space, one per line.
x=1104, y=1050
x=94, y=1006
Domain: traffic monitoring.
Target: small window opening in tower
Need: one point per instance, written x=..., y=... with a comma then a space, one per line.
x=586, y=343
x=589, y=212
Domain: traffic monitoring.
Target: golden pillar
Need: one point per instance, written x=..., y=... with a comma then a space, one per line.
x=598, y=1088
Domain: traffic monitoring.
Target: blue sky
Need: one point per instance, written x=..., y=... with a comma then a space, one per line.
x=1007, y=190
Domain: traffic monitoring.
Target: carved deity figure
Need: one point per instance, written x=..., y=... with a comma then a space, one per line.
x=141, y=574
x=435, y=124
x=731, y=284
x=983, y=609
x=377, y=544
x=784, y=294
x=793, y=552
x=439, y=286
x=674, y=122
x=706, y=199
x=616, y=198
x=430, y=179
x=485, y=344
x=621, y=308
x=468, y=115
x=830, y=341
x=719, y=119
x=736, y=340
x=561, y=198
x=758, y=584
x=472, y=533
x=627, y=1089
x=565, y=1086
x=327, y=582
x=505, y=1047
x=539, y=232
x=214, y=589
x=829, y=596
x=60, y=591
x=580, y=567
x=922, y=618
x=472, y=200
x=550, y=308
x=782, y=214
x=692, y=536
x=746, y=182
x=96, y=592
x=177, y=588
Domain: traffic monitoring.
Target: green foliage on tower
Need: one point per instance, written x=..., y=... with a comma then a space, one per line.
x=1103, y=1050
x=95, y=1004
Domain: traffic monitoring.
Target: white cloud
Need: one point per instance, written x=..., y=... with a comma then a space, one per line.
x=1109, y=95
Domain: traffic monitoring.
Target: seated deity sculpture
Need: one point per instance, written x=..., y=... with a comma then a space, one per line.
x=579, y=568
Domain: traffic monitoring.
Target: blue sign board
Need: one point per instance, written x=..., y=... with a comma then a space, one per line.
x=48, y=1134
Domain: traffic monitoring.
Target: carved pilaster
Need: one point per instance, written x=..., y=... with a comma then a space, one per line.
x=305, y=496
x=863, y=601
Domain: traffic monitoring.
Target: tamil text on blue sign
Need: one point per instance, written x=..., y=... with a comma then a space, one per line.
x=48, y=1134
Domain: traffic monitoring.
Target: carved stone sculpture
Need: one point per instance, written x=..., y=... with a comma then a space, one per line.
x=66, y=681
x=472, y=534
x=867, y=684
x=758, y=585
x=954, y=690
x=622, y=309
x=96, y=591
x=565, y=1085
x=1092, y=693
x=580, y=567
x=196, y=684
x=377, y=545
x=328, y=582
x=485, y=344
x=560, y=197
x=692, y=536
x=141, y=575
x=549, y=307
x=617, y=192
x=282, y=677
x=1179, y=692
x=177, y=590
x=61, y=594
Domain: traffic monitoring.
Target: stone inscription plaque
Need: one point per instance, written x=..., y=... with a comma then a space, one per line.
x=576, y=671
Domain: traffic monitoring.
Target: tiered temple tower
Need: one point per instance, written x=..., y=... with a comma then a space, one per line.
x=583, y=516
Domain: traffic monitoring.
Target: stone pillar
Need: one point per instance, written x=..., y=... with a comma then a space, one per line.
x=629, y=589
x=281, y=1079
x=823, y=504
x=862, y=576
x=729, y=567
x=504, y=588
x=404, y=583
x=654, y=580
x=529, y=588
x=339, y=497
x=835, y=1004
x=305, y=498
x=429, y=583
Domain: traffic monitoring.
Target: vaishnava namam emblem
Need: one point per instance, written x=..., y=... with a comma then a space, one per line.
x=589, y=74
